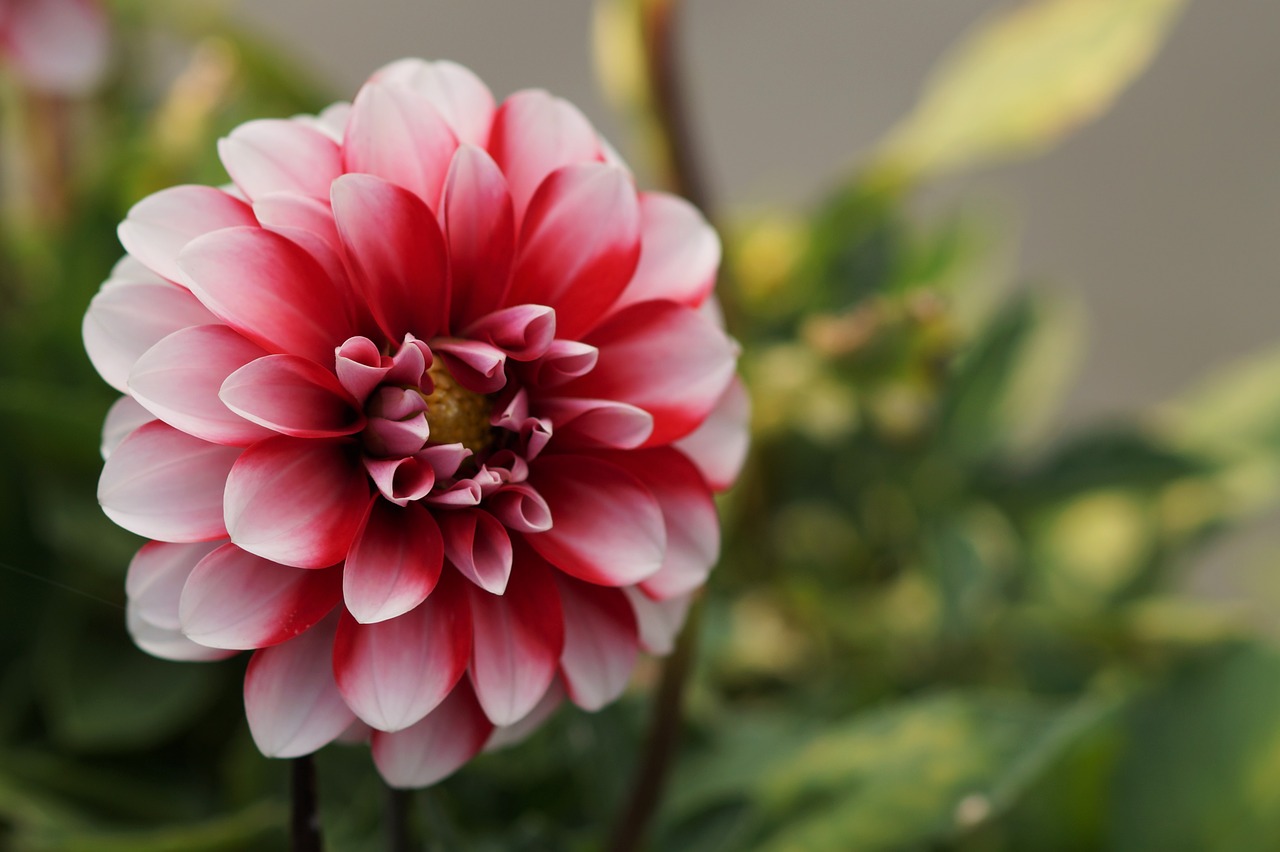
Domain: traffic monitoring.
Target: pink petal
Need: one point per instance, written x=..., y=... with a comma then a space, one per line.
x=397, y=135
x=291, y=212
x=659, y=621
x=480, y=227
x=509, y=735
x=533, y=135
x=159, y=226
x=156, y=576
x=177, y=380
x=168, y=643
x=564, y=360
x=437, y=746
x=234, y=599
x=395, y=672
x=396, y=253
x=293, y=396
x=479, y=547
x=597, y=422
x=275, y=155
x=600, y=642
x=456, y=93
x=608, y=527
x=679, y=253
x=296, y=501
x=523, y=332
x=403, y=480
x=166, y=485
x=664, y=358
x=128, y=317
x=518, y=640
x=579, y=245
x=394, y=562
x=476, y=366
x=58, y=46
x=520, y=508
x=124, y=416
x=719, y=446
x=290, y=700
x=270, y=290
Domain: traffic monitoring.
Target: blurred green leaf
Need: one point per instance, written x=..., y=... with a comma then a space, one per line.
x=257, y=827
x=1022, y=80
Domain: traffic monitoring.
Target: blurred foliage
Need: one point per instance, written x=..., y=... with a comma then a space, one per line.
x=939, y=623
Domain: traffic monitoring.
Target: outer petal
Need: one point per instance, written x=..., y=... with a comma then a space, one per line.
x=659, y=621
x=478, y=546
x=292, y=704
x=129, y=316
x=456, y=93
x=607, y=526
x=295, y=501
x=396, y=252
x=579, y=245
x=160, y=225
x=167, y=643
x=270, y=290
x=719, y=446
x=664, y=358
x=689, y=514
x=275, y=155
x=479, y=222
x=124, y=416
x=163, y=484
x=437, y=746
x=156, y=576
x=397, y=134
x=518, y=640
x=395, y=672
x=178, y=379
x=509, y=735
x=600, y=642
x=293, y=396
x=234, y=599
x=394, y=562
x=679, y=254
x=533, y=135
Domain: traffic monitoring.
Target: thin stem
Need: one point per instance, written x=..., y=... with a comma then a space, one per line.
x=304, y=819
x=665, y=726
x=399, y=806
x=668, y=98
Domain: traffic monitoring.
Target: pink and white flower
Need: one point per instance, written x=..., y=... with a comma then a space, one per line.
x=427, y=411
x=55, y=46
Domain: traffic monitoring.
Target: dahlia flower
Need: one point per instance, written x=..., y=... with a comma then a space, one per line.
x=426, y=411
x=56, y=46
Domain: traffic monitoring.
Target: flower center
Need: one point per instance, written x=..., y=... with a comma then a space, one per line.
x=457, y=415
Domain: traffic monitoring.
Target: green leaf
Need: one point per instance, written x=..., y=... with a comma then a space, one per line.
x=1022, y=80
x=256, y=827
x=1202, y=767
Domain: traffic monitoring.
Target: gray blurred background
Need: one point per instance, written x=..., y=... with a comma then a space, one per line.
x=1164, y=217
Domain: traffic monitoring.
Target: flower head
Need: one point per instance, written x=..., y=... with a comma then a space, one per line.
x=426, y=411
x=56, y=46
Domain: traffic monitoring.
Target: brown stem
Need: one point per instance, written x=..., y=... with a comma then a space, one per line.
x=399, y=806
x=304, y=818
x=664, y=733
x=668, y=97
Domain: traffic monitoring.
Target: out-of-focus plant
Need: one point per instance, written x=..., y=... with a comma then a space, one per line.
x=937, y=624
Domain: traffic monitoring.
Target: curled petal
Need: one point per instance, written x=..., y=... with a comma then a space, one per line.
x=401, y=480
x=234, y=599
x=518, y=640
x=394, y=562
x=398, y=135
x=292, y=396
x=476, y=366
x=598, y=422
x=608, y=526
x=295, y=501
x=479, y=547
x=435, y=747
x=523, y=332
x=520, y=508
x=159, y=226
x=274, y=155
x=600, y=642
x=395, y=672
x=563, y=361
x=290, y=699
x=166, y=485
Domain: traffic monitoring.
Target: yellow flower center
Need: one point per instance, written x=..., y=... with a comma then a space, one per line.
x=457, y=415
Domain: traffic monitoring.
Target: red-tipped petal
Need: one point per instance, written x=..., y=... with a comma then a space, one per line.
x=533, y=135
x=292, y=704
x=600, y=642
x=608, y=527
x=395, y=672
x=295, y=501
x=156, y=576
x=234, y=599
x=480, y=228
x=435, y=747
x=597, y=422
x=292, y=396
x=166, y=485
x=394, y=562
x=397, y=135
x=579, y=245
x=518, y=640
x=158, y=227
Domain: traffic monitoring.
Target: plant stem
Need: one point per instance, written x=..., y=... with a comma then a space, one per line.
x=663, y=735
x=304, y=821
x=399, y=806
